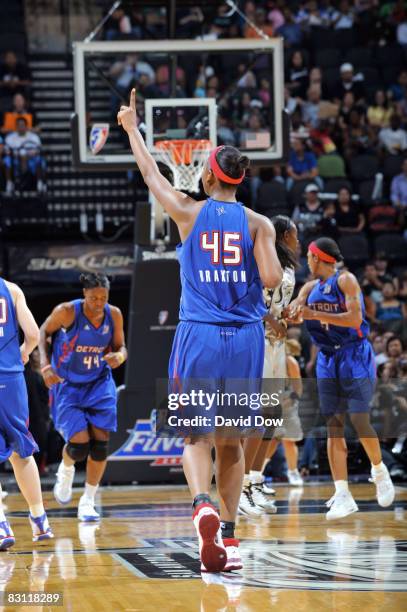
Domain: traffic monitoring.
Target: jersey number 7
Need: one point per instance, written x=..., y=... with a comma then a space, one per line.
x=222, y=247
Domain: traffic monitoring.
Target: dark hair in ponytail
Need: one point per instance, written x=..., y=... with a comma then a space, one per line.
x=92, y=280
x=330, y=247
x=283, y=224
x=232, y=162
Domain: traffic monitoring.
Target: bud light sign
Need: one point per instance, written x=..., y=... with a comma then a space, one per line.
x=142, y=444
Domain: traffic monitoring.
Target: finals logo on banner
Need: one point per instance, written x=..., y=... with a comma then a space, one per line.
x=63, y=264
x=143, y=444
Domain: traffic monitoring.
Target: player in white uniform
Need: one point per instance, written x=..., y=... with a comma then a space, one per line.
x=253, y=501
x=277, y=300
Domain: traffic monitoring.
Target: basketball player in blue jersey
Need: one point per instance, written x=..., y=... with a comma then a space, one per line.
x=226, y=256
x=333, y=309
x=87, y=341
x=16, y=442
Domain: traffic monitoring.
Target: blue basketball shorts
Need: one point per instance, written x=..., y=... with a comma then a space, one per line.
x=76, y=406
x=14, y=434
x=346, y=379
x=223, y=363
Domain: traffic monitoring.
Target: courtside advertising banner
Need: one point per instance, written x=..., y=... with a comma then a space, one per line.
x=62, y=264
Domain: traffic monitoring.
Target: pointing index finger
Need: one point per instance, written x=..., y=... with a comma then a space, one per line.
x=133, y=99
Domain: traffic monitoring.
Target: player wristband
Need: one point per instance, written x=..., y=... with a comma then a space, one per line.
x=46, y=368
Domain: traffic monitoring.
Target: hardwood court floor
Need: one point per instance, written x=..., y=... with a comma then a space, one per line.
x=143, y=557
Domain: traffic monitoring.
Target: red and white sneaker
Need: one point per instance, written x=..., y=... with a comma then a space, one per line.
x=211, y=549
x=234, y=560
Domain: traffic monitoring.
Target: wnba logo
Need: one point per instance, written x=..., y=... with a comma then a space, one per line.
x=98, y=136
x=163, y=316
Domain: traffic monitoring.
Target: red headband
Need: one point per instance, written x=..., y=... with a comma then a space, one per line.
x=323, y=256
x=217, y=170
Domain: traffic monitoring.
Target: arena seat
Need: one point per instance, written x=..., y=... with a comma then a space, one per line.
x=359, y=56
x=12, y=42
x=383, y=218
x=333, y=185
x=365, y=190
x=321, y=38
x=393, y=245
x=389, y=55
x=389, y=74
x=344, y=38
x=371, y=76
x=296, y=193
x=271, y=195
x=363, y=167
x=354, y=248
x=328, y=58
x=392, y=165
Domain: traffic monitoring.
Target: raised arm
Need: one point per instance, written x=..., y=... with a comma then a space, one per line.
x=265, y=253
x=62, y=316
x=352, y=317
x=177, y=204
x=26, y=321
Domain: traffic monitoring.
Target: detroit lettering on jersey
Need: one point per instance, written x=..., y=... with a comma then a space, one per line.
x=326, y=296
x=10, y=355
x=219, y=275
x=77, y=352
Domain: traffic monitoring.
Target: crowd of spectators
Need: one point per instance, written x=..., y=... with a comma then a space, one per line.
x=22, y=167
x=346, y=94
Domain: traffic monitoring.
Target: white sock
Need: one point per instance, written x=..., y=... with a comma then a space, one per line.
x=2, y=515
x=380, y=467
x=256, y=477
x=90, y=491
x=341, y=485
x=37, y=510
x=246, y=481
x=67, y=468
x=294, y=471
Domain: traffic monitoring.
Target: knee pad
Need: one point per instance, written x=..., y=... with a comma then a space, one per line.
x=98, y=449
x=78, y=451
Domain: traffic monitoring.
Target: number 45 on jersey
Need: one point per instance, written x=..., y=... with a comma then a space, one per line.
x=224, y=247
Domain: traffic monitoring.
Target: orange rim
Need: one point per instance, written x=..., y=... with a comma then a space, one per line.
x=181, y=150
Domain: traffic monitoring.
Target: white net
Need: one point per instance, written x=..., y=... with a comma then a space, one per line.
x=186, y=159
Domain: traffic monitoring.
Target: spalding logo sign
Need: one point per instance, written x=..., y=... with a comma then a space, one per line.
x=98, y=137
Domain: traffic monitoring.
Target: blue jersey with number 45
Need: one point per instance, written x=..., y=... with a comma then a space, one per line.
x=326, y=296
x=219, y=275
x=77, y=352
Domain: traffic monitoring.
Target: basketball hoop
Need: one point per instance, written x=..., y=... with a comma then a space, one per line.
x=186, y=159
